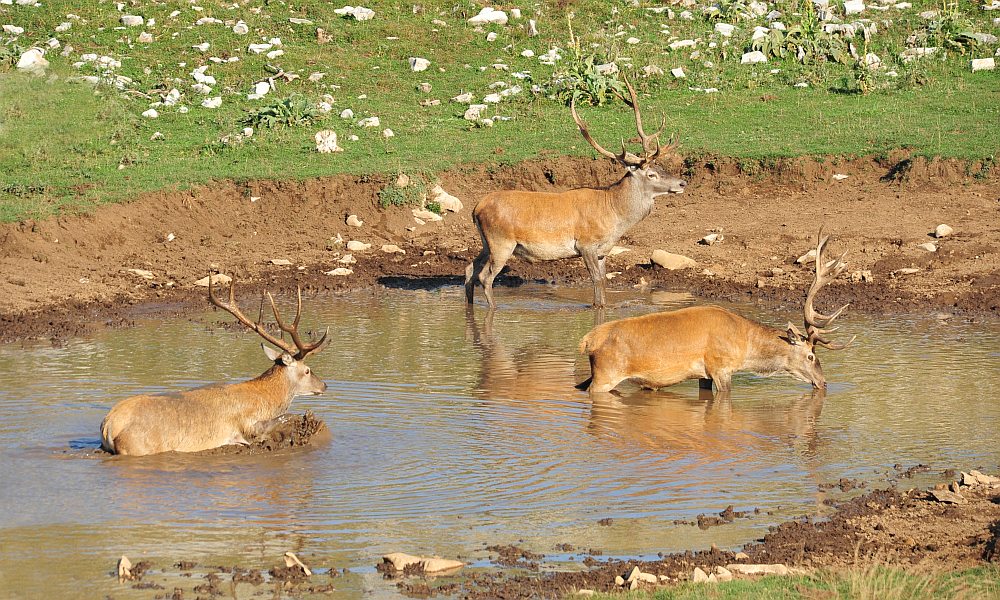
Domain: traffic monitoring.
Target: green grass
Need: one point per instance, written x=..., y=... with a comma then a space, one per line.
x=873, y=583
x=66, y=146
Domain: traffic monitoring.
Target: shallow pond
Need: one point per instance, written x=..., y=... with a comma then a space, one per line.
x=451, y=433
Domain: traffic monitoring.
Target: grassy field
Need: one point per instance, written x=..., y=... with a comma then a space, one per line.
x=875, y=583
x=66, y=144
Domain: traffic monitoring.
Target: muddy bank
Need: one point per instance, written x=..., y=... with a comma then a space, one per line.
x=63, y=276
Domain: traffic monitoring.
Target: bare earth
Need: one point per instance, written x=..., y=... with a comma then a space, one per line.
x=61, y=276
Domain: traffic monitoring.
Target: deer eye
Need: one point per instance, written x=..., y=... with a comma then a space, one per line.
x=307, y=369
x=810, y=358
x=653, y=175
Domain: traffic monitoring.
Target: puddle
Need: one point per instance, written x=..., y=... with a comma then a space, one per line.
x=450, y=434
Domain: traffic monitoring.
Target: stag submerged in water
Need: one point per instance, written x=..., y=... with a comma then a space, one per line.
x=220, y=414
x=584, y=222
x=711, y=343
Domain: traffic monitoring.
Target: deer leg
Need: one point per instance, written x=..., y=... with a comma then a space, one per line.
x=595, y=266
x=498, y=258
x=704, y=383
x=472, y=273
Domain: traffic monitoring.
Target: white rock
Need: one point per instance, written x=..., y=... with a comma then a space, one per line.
x=671, y=261
x=340, y=272
x=872, y=61
x=347, y=114
x=651, y=70
x=806, y=258
x=298, y=21
x=151, y=113
x=913, y=53
x=354, y=221
x=983, y=64
x=474, y=112
x=132, y=20
x=388, y=133
x=259, y=48
x=906, y=271
x=358, y=13
x=528, y=53
x=145, y=38
x=682, y=44
x=607, y=68
x=725, y=29
x=464, y=98
x=273, y=54
x=426, y=215
x=260, y=89
x=215, y=102
x=532, y=28
x=943, y=230
x=400, y=561
x=928, y=247
x=33, y=61
x=515, y=13
x=759, y=32
x=445, y=200
x=141, y=273
x=241, y=28
x=750, y=58
x=326, y=143
x=392, y=249
x=491, y=36
x=489, y=15
x=854, y=7
x=633, y=41
x=64, y=26
x=678, y=73
x=281, y=262
x=13, y=29
x=712, y=239
x=492, y=98
x=202, y=47
x=419, y=64
x=348, y=259
x=356, y=246
x=370, y=122
x=217, y=279
x=776, y=569
x=699, y=576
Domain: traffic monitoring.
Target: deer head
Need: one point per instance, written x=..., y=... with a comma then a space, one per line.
x=641, y=166
x=804, y=363
x=290, y=358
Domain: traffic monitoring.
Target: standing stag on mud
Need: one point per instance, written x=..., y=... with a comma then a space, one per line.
x=711, y=343
x=220, y=414
x=584, y=222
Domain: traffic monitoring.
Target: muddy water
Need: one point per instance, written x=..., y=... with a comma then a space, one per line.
x=451, y=433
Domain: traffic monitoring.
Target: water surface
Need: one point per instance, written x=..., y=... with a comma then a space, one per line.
x=451, y=432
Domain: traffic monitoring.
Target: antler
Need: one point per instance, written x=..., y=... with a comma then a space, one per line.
x=627, y=158
x=818, y=324
x=298, y=352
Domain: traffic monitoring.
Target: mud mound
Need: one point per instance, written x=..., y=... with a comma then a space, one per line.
x=295, y=431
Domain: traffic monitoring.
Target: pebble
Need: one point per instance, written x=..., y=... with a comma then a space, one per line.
x=754, y=57
x=419, y=64
x=340, y=272
x=712, y=238
x=928, y=246
x=983, y=64
x=401, y=560
x=699, y=576
x=348, y=259
x=671, y=261
x=281, y=262
x=217, y=279
x=392, y=249
x=326, y=142
x=943, y=230
x=806, y=258
x=445, y=200
x=141, y=273
x=132, y=20
x=354, y=221
x=356, y=246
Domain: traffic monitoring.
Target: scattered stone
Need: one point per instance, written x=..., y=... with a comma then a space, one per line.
x=326, y=142
x=678, y=73
x=241, y=28
x=683, y=44
x=983, y=64
x=347, y=114
x=217, y=279
x=670, y=261
x=776, y=569
x=13, y=29
x=445, y=200
x=426, y=215
x=699, y=576
x=388, y=133
x=132, y=20
x=854, y=7
x=862, y=277
x=340, y=272
x=725, y=29
x=356, y=246
x=370, y=122
x=741, y=556
x=419, y=64
x=150, y=114
x=928, y=246
x=806, y=258
x=489, y=15
x=906, y=271
x=215, y=102
x=712, y=238
x=474, y=112
x=392, y=249
x=752, y=58
x=943, y=230
x=358, y=13
x=652, y=70
x=723, y=574
x=974, y=477
x=33, y=61
x=400, y=561
x=948, y=497
x=464, y=98
x=293, y=561
x=354, y=221
x=124, y=569
x=281, y=262
x=839, y=177
x=348, y=259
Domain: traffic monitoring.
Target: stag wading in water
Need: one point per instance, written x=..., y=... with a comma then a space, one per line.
x=584, y=222
x=220, y=414
x=711, y=343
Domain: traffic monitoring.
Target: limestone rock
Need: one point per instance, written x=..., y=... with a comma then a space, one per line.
x=217, y=279
x=281, y=262
x=906, y=271
x=141, y=273
x=928, y=247
x=775, y=569
x=983, y=64
x=752, y=58
x=489, y=15
x=445, y=200
x=806, y=258
x=474, y=112
x=132, y=20
x=124, y=569
x=356, y=246
x=354, y=221
x=33, y=61
x=326, y=142
x=358, y=13
x=392, y=249
x=742, y=556
x=678, y=73
x=699, y=576
x=725, y=29
x=672, y=262
x=854, y=7
x=948, y=497
x=943, y=230
x=711, y=239
x=426, y=215
x=723, y=574
x=340, y=272
x=348, y=259
x=293, y=561
x=419, y=64
x=434, y=564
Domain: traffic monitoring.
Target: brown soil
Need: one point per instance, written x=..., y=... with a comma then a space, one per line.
x=63, y=276
x=295, y=431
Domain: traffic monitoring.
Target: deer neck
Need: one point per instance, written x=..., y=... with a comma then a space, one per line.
x=766, y=350
x=629, y=200
x=269, y=395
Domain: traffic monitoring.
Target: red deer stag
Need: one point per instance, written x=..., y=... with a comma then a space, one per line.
x=220, y=414
x=584, y=222
x=710, y=343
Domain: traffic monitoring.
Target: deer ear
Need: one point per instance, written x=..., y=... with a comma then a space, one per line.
x=795, y=336
x=271, y=353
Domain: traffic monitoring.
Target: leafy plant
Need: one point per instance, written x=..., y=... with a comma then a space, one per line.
x=951, y=30
x=581, y=79
x=291, y=111
x=730, y=11
x=414, y=192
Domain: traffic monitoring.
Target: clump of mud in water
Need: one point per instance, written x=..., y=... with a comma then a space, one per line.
x=295, y=431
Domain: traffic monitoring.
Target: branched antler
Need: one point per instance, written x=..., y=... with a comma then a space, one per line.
x=818, y=324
